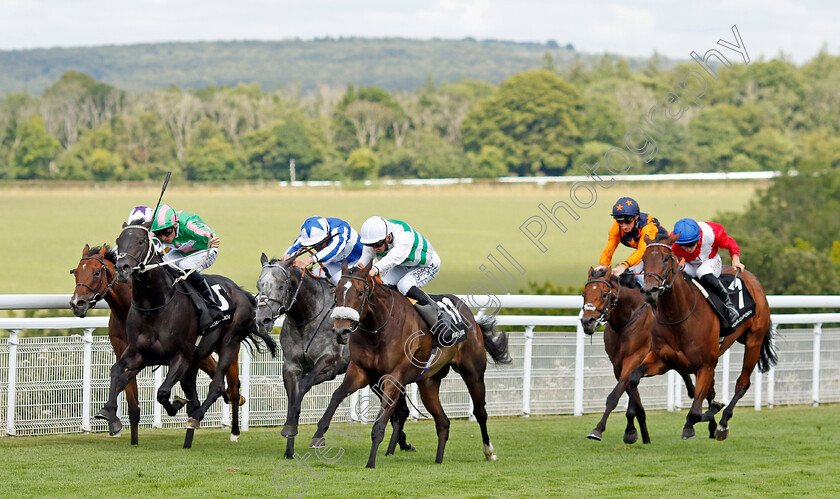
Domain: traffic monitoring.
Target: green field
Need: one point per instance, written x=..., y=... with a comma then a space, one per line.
x=780, y=452
x=47, y=227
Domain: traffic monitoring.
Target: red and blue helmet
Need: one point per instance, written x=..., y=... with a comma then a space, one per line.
x=688, y=230
x=625, y=207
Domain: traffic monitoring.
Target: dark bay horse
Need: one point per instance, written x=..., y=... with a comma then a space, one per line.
x=311, y=353
x=618, y=301
x=391, y=347
x=163, y=329
x=686, y=333
x=96, y=279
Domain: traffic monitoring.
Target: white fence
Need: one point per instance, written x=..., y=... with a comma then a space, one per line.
x=55, y=384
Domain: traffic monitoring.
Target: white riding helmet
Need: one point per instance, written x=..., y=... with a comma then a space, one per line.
x=139, y=215
x=313, y=231
x=373, y=230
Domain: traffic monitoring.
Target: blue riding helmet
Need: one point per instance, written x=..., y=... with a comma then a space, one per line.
x=313, y=231
x=688, y=231
x=625, y=207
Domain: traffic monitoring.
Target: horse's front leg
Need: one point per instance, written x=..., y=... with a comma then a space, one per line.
x=123, y=371
x=325, y=369
x=391, y=389
x=705, y=380
x=354, y=379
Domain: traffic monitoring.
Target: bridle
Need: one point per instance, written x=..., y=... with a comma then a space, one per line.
x=665, y=286
x=290, y=298
x=98, y=295
x=608, y=306
x=664, y=283
x=150, y=253
x=338, y=313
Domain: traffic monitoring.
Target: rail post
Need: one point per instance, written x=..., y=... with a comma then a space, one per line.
x=87, y=373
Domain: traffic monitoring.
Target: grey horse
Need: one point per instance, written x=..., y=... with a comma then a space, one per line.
x=311, y=354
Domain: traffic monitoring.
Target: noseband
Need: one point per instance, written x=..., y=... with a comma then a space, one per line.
x=149, y=249
x=291, y=298
x=355, y=315
x=609, y=306
x=664, y=282
x=98, y=295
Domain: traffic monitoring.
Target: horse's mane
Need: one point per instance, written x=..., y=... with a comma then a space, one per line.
x=596, y=274
x=628, y=280
x=661, y=236
x=109, y=255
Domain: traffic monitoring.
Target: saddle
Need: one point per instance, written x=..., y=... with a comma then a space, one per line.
x=740, y=296
x=205, y=319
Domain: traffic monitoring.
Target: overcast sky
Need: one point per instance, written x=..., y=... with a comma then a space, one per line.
x=674, y=28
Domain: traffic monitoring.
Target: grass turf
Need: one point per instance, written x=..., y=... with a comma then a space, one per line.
x=785, y=451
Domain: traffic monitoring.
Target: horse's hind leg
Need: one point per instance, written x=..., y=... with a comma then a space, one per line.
x=132, y=396
x=430, y=394
x=475, y=385
x=398, y=420
x=208, y=366
x=177, y=368
x=232, y=379
x=227, y=354
x=751, y=354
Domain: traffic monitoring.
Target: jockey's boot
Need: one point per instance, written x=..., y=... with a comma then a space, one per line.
x=439, y=322
x=202, y=286
x=712, y=283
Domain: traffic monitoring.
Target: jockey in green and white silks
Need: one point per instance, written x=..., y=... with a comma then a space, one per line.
x=407, y=260
x=188, y=243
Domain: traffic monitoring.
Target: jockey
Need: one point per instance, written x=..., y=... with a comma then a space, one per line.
x=698, y=244
x=405, y=259
x=333, y=241
x=630, y=228
x=191, y=244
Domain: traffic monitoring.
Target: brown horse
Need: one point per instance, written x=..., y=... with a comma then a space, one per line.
x=391, y=347
x=686, y=333
x=618, y=301
x=97, y=279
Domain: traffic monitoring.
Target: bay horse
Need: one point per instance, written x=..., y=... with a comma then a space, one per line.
x=686, y=333
x=311, y=353
x=618, y=301
x=162, y=329
x=391, y=346
x=96, y=279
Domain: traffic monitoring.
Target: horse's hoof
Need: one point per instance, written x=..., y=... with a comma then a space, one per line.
x=594, y=435
x=241, y=401
x=631, y=437
x=118, y=435
x=289, y=431
x=234, y=438
x=410, y=448
x=179, y=400
x=318, y=443
x=489, y=453
x=492, y=458
x=115, y=428
x=193, y=423
x=687, y=433
x=721, y=433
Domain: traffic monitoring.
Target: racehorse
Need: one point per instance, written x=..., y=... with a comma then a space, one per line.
x=163, y=329
x=391, y=346
x=311, y=354
x=96, y=279
x=618, y=301
x=686, y=333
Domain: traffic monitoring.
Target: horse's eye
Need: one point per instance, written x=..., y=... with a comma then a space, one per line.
x=96, y=273
x=360, y=293
x=605, y=296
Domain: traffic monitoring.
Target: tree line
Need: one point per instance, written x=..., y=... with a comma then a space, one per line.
x=768, y=115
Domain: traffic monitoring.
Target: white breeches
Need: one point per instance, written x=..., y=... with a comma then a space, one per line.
x=194, y=259
x=405, y=277
x=698, y=269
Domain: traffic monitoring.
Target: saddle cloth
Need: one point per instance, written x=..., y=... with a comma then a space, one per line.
x=740, y=297
x=205, y=320
x=458, y=333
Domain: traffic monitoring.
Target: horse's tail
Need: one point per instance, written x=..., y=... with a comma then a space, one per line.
x=495, y=342
x=767, y=358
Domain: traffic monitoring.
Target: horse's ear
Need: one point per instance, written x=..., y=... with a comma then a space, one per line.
x=591, y=270
x=124, y=225
x=648, y=240
x=263, y=259
x=673, y=239
x=85, y=251
x=366, y=268
x=103, y=250
x=344, y=267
